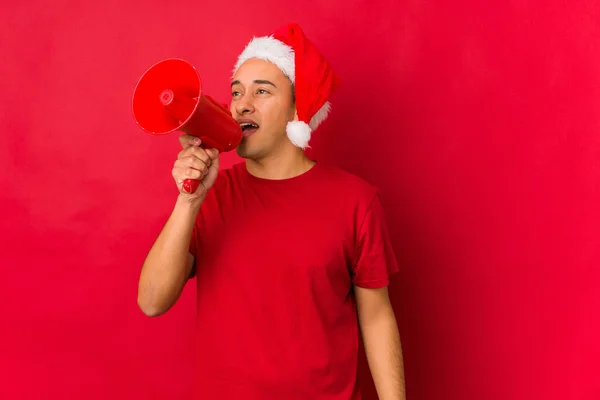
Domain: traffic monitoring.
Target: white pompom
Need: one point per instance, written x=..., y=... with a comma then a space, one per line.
x=299, y=133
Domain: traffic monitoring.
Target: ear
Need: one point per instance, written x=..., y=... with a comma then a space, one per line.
x=295, y=117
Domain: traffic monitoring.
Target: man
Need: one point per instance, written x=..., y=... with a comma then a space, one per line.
x=291, y=257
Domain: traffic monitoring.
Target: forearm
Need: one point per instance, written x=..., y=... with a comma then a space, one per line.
x=384, y=354
x=167, y=267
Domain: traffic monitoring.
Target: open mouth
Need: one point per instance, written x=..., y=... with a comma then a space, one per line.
x=248, y=128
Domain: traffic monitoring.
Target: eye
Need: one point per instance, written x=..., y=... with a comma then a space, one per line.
x=235, y=94
x=262, y=91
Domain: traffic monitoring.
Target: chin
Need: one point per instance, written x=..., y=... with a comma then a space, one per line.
x=243, y=151
x=249, y=154
x=240, y=152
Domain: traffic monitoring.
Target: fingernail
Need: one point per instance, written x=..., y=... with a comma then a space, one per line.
x=197, y=141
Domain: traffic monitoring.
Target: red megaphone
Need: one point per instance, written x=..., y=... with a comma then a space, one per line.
x=168, y=98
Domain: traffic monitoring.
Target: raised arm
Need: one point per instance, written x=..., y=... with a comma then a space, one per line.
x=168, y=264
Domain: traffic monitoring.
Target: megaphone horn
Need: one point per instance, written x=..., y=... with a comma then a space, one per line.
x=168, y=97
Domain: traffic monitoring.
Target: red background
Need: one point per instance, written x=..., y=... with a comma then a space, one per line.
x=479, y=123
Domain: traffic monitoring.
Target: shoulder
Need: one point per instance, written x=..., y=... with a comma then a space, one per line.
x=345, y=193
x=347, y=184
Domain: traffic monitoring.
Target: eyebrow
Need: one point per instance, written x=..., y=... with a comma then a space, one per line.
x=258, y=81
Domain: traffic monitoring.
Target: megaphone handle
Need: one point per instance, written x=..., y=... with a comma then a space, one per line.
x=190, y=185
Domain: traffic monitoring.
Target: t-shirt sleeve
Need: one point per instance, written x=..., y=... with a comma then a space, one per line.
x=375, y=260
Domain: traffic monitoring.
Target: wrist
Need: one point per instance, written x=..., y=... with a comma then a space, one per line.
x=189, y=202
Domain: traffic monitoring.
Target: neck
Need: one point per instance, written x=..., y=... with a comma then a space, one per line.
x=280, y=166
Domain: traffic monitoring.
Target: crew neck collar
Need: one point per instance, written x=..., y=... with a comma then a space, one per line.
x=295, y=179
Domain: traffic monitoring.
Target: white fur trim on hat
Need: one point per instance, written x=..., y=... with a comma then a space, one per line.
x=270, y=49
x=320, y=116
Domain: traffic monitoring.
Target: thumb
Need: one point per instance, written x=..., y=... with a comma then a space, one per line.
x=209, y=180
x=214, y=156
x=213, y=172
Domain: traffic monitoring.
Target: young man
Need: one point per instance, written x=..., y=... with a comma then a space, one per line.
x=291, y=257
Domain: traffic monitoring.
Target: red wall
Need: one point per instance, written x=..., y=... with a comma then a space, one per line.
x=480, y=124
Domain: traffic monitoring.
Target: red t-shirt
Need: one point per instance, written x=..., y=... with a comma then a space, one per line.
x=276, y=261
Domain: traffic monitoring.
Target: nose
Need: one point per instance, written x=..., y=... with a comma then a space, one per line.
x=245, y=105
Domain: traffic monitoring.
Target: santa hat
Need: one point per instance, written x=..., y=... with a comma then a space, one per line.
x=314, y=80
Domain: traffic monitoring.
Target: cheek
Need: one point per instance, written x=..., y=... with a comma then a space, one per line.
x=275, y=112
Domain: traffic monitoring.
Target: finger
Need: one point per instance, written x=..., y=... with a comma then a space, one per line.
x=197, y=152
x=212, y=153
x=189, y=140
x=200, y=153
x=193, y=162
x=186, y=140
x=182, y=173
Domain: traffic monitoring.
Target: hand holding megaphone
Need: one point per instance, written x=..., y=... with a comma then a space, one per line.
x=168, y=97
x=195, y=165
